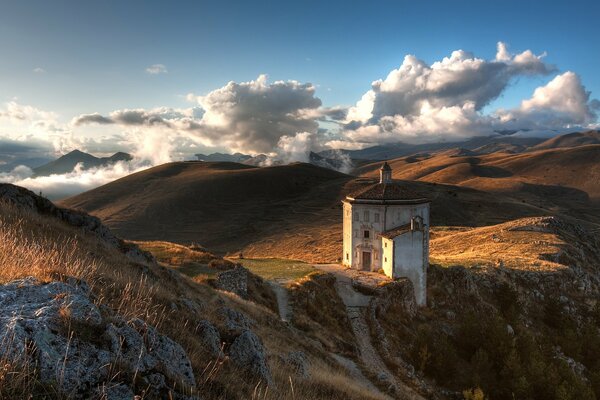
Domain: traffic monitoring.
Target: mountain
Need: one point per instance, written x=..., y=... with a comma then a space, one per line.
x=570, y=140
x=395, y=150
x=9, y=163
x=564, y=180
x=69, y=161
x=217, y=157
x=290, y=211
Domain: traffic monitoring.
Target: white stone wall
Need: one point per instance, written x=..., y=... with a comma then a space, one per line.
x=388, y=256
x=409, y=262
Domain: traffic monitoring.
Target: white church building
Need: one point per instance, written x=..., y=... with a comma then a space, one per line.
x=386, y=226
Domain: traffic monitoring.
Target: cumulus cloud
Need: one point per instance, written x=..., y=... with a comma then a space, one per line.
x=563, y=102
x=39, y=70
x=156, y=69
x=249, y=116
x=420, y=102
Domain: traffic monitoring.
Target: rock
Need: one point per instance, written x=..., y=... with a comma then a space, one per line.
x=76, y=345
x=248, y=353
x=298, y=362
x=115, y=392
x=510, y=330
x=233, y=321
x=210, y=338
x=234, y=280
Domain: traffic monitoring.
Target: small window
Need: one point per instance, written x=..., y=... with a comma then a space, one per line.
x=376, y=217
x=366, y=216
x=356, y=217
x=347, y=257
x=366, y=234
x=385, y=245
x=385, y=259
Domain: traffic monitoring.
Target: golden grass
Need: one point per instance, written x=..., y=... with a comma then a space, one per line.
x=42, y=247
x=498, y=245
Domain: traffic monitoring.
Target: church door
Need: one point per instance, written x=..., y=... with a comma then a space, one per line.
x=366, y=260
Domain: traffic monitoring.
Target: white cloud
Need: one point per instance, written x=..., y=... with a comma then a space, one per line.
x=39, y=70
x=443, y=101
x=156, y=69
x=563, y=102
x=64, y=185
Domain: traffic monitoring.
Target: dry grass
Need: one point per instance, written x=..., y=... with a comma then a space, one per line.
x=33, y=245
x=502, y=245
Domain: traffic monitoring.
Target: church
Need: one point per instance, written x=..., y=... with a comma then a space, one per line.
x=386, y=226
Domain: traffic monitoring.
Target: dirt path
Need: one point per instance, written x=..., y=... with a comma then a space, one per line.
x=283, y=302
x=356, y=304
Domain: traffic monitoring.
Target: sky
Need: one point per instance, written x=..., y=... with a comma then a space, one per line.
x=166, y=80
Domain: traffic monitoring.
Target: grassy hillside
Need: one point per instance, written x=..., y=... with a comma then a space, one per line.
x=33, y=245
x=291, y=211
x=563, y=180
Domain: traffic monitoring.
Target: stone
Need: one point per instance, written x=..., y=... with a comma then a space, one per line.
x=76, y=344
x=234, y=280
x=211, y=339
x=298, y=362
x=248, y=353
x=233, y=321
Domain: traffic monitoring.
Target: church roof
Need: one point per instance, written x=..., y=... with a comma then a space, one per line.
x=392, y=233
x=387, y=192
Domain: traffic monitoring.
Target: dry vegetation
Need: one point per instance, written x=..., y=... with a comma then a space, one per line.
x=34, y=245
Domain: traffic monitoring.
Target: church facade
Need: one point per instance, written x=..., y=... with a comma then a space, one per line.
x=386, y=226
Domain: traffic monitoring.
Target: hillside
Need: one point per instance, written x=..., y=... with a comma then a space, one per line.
x=512, y=313
x=291, y=211
x=69, y=161
x=563, y=180
x=570, y=140
x=105, y=324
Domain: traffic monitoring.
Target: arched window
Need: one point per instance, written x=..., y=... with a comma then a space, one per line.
x=416, y=223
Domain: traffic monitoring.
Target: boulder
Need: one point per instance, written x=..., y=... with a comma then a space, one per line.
x=210, y=338
x=234, y=280
x=248, y=353
x=233, y=322
x=298, y=362
x=76, y=345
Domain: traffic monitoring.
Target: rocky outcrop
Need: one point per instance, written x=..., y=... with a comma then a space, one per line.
x=248, y=353
x=210, y=338
x=77, y=348
x=298, y=362
x=234, y=280
x=27, y=200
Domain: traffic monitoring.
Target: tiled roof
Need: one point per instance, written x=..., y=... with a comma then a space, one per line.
x=392, y=233
x=386, y=191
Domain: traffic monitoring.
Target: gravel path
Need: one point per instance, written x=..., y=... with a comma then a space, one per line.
x=356, y=304
x=283, y=302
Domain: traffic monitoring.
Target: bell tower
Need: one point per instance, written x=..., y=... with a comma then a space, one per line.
x=385, y=173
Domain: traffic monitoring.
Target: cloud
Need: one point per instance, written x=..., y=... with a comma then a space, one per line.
x=420, y=102
x=156, y=69
x=79, y=180
x=39, y=70
x=563, y=102
x=94, y=118
x=249, y=116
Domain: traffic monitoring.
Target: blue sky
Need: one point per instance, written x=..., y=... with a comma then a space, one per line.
x=166, y=80
x=95, y=53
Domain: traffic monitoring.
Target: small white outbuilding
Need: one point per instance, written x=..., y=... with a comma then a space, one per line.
x=386, y=226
